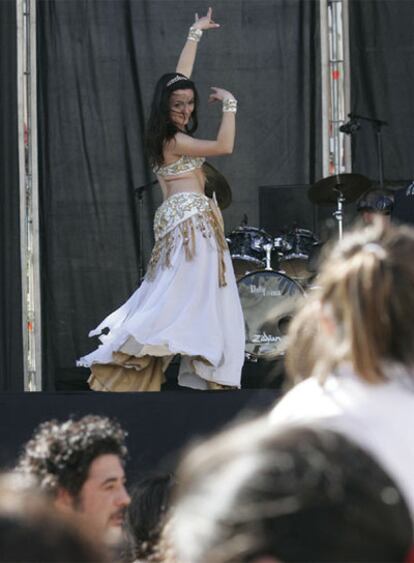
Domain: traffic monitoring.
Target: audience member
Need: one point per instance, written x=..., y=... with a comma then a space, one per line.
x=376, y=204
x=253, y=494
x=33, y=531
x=362, y=353
x=80, y=464
x=146, y=515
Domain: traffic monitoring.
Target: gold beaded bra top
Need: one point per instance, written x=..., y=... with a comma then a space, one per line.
x=181, y=166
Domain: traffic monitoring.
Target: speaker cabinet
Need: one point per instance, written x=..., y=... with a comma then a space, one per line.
x=283, y=207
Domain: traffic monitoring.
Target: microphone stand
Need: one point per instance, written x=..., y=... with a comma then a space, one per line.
x=377, y=124
x=139, y=192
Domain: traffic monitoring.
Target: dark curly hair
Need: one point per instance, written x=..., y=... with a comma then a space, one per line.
x=160, y=128
x=60, y=453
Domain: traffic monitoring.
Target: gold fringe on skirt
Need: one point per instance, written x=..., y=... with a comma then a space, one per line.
x=171, y=222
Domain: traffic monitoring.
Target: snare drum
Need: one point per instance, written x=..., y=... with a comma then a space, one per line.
x=298, y=246
x=269, y=300
x=246, y=249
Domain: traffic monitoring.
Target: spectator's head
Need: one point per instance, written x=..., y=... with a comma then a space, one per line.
x=255, y=495
x=376, y=204
x=367, y=302
x=32, y=530
x=79, y=462
x=146, y=515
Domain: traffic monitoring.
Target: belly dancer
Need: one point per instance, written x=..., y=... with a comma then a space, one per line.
x=188, y=303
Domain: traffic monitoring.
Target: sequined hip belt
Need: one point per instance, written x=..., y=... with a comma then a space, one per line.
x=176, y=209
x=179, y=217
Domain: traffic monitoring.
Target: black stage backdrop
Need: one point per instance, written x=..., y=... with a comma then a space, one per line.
x=158, y=424
x=97, y=66
x=11, y=346
x=382, y=83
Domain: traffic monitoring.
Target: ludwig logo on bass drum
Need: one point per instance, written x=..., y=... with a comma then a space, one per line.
x=264, y=337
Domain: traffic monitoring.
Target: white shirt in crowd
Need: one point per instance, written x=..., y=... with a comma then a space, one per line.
x=378, y=417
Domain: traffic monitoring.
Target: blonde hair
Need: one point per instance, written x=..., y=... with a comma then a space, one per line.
x=366, y=292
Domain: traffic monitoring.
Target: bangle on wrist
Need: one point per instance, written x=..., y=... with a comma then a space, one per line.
x=194, y=34
x=230, y=105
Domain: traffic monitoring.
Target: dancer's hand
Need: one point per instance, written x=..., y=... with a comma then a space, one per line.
x=206, y=22
x=219, y=94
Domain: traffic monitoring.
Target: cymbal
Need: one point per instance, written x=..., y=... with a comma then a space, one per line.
x=327, y=190
x=216, y=182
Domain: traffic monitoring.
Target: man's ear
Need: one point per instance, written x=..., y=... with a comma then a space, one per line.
x=64, y=500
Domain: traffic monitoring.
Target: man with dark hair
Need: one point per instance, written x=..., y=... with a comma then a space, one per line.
x=80, y=464
x=375, y=204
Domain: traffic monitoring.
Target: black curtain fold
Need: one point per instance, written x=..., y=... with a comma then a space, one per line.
x=97, y=66
x=382, y=60
x=11, y=340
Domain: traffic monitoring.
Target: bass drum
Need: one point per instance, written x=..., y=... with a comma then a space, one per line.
x=269, y=300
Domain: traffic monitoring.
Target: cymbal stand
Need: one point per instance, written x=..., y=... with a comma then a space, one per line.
x=339, y=214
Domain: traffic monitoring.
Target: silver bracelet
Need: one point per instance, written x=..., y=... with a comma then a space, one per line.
x=194, y=34
x=230, y=105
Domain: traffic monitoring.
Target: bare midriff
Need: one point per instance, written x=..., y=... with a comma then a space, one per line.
x=190, y=182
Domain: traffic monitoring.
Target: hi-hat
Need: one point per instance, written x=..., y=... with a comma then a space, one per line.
x=216, y=182
x=349, y=186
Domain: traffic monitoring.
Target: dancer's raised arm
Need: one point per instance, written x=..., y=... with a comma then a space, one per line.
x=187, y=57
x=224, y=142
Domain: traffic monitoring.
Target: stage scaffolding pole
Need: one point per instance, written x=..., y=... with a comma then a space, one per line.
x=29, y=194
x=336, y=86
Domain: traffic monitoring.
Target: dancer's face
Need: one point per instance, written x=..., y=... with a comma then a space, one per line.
x=181, y=107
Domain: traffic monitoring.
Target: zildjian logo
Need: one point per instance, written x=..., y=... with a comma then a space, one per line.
x=263, y=338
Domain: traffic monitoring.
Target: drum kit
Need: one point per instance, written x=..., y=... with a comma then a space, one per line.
x=271, y=273
x=274, y=272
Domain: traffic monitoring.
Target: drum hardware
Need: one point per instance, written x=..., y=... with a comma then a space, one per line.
x=251, y=357
x=338, y=190
x=338, y=213
x=281, y=245
x=268, y=247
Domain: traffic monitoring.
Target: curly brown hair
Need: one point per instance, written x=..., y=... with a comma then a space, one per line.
x=59, y=454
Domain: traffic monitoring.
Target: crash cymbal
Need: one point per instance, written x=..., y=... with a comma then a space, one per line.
x=327, y=190
x=216, y=182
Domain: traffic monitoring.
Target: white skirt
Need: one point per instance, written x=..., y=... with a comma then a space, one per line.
x=182, y=310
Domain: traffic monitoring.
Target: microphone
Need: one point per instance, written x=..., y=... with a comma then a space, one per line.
x=351, y=127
